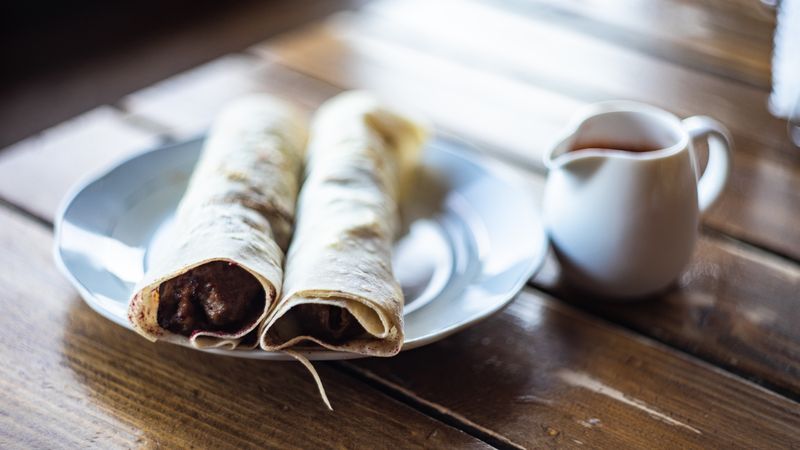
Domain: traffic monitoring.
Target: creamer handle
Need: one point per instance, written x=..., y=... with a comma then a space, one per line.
x=720, y=149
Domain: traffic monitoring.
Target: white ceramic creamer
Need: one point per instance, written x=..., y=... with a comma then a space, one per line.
x=623, y=195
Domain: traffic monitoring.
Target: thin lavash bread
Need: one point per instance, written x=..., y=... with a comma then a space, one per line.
x=339, y=288
x=223, y=269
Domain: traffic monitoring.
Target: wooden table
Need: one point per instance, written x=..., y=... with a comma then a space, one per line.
x=713, y=363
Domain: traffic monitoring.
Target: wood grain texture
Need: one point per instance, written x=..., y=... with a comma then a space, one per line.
x=760, y=205
x=545, y=375
x=71, y=378
x=503, y=113
x=37, y=172
x=186, y=104
x=734, y=306
x=563, y=59
x=731, y=39
x=511, y=104
x=240, y=74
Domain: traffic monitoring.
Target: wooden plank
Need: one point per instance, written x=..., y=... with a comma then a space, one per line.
x=522, y=119
x=545, y=375
x=733, y=306
x=729, y=38
x=760, y=205
x=37, y=172
x=186, y=104
x=176, y=102
x=566, y=60
x=71, y=378
x=504, y=113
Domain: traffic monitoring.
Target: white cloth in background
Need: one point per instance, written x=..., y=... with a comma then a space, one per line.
x=785, y=99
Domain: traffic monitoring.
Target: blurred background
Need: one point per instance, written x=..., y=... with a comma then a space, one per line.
x=63, y=58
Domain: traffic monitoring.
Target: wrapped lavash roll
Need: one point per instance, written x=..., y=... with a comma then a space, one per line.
x=223, y=268
x=339, y=288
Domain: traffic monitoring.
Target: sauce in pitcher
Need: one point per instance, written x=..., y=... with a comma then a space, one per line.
x=608, y=145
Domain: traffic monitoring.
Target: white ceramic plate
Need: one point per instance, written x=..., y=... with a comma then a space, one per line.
x=473, y=237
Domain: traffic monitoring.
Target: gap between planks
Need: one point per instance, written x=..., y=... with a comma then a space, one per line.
x=609, y=33
x=708, y=361
x=769, y=257
x=652, y=342
x=24, y=212
x=431, y=409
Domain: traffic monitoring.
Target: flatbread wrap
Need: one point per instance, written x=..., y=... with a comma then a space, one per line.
x=222, y=270
x=339, y=288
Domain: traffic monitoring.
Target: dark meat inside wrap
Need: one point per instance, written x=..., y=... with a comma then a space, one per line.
x=222, y=271
x=331, y=324
x=217, y=296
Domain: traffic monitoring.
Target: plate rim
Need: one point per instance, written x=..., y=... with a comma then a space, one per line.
x=475, y=156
